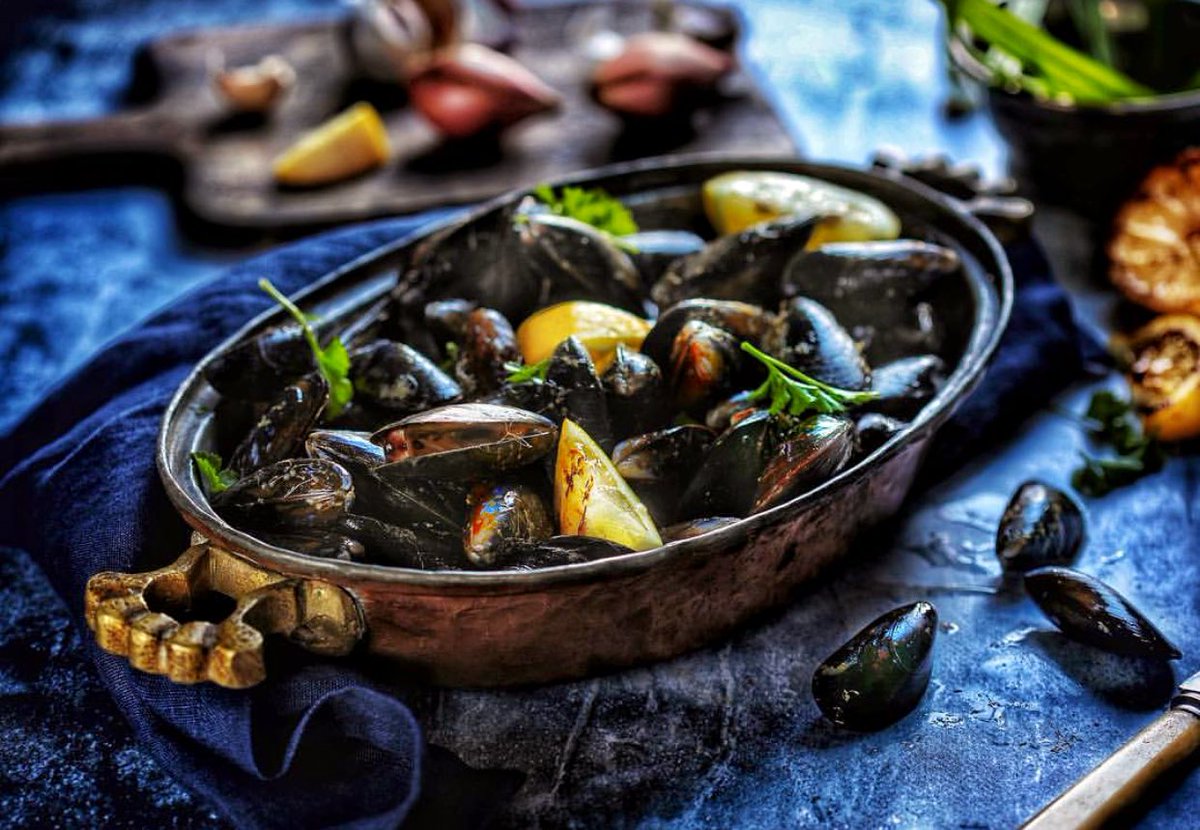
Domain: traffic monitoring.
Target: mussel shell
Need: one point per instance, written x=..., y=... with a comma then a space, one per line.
x=500, y=517
x=464, y=441
x=566, y=259
x=731, y=410
x=1041, y=525
x=293, y=493
x=322, y=543
x=696, y=527
x=280, y=432
x=906, y=385
x=581, y=394
x=810, y=338
x=388, y=543
x=257, y=369
x=399, y=379
x=743, y=320
x=488, y=343
x=726, y=482
x=447, y=319
x=811, y=453
x=705, y=364
x=880, y=675
x=633, y=384
x=875, y=430
x=1087, y=610
x=653, y=251
x=744, y=266
x=666, y=455
x=561, y=550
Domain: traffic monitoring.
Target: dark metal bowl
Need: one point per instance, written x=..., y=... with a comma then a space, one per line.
x=503, y=627
x=1086, y=157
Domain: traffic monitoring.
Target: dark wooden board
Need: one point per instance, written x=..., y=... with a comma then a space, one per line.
x=227, y=161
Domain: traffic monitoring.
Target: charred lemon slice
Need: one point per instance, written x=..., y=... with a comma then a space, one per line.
x=600, y=328
x=1155, y=249
x=735, y=201
x=1164, y=374
x=592, y=499
x=344, y=146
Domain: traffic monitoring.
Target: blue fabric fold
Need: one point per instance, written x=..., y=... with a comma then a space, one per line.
x=318, y=744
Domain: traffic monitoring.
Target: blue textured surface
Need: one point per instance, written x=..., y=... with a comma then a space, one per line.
x=725, y=737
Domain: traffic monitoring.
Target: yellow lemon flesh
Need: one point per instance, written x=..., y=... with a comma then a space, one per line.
x=600, y=328
x=344, y=146
x=735, y=201
x=591, y=498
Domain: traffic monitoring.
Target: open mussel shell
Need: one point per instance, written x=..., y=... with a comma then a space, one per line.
x=633, y=384
x=280, y=432
x=402, y=546
x=810, y=453
x=580, y=394
x=743, y=320
x=657, y=465
x=808, y=337
x=561, y=550
x=1041, y=525
x=569, y=260
x=904, y=386
x=726, y=482
x=880, y=675
x=464, y=441
x=1085, y=609
x=697, y=527
x=705, y=364
x=502, y=519
x=488, y=343
x=731, y=410
x=293, y=493
x=399, y=379
x=743, y=266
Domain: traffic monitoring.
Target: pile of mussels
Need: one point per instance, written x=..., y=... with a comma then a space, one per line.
x=639, y=399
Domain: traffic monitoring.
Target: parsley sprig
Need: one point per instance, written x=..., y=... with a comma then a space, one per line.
x=527, y=373
x=333, y=361
x=216, y=475
x=592, y=206
x=1114, y=424
x=791, y=391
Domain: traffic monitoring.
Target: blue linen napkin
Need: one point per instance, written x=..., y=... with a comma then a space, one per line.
x=317, y=744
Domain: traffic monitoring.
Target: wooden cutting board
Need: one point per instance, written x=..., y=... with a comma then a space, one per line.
x=227, y=160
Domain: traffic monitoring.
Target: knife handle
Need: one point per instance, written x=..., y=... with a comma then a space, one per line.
x=1123, y=776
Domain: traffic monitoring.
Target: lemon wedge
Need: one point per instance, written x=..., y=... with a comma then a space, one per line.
x=599, y=327
x=344, y=146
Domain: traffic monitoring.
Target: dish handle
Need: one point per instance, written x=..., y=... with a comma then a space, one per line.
x=145, y=617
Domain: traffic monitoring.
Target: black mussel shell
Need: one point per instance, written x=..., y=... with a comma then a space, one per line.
x=582, y=397
x=653, y=251
x=464, y=441
x=501, y=518
x=1087, y=610
x=743, y=266
x=488, y=343
x=880, y=675
x=447, y=319
x=1042, y=525
x=565, y=259
x=811, y=453
x=399, y=379
x=280, y=432
x=561, y=550
x=319, y=542
x=401, y=546
x=704, y=366
x=906, y=385
x=743, y=320
x=696, y=527
x=293, y=493
x=731, y=410
x=875, y=430
x=727, y=480
x=658, y=465
x=257, y=369
x=810, y=338
x=637, y=402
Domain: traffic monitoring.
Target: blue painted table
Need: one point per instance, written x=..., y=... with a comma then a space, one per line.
x=725, y=737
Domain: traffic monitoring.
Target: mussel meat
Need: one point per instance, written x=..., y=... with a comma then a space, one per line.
x=1042, y=525
x=810, y=453
x=280, y=432
x=742, y=320
x=808, y=337
x=289, y=494
x=500, y=517
x=881, y=674
x=704, y=364
x=399, y=379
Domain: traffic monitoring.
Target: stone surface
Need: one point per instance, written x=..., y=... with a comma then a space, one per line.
x=725, y=737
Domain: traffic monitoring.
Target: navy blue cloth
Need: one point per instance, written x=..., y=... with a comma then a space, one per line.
x=317, y=744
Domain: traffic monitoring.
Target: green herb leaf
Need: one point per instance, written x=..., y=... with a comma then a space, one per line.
x=532, y=373
x=333, y=361
x=1114, y=424
x=215, y=475
x=451, y=350
x=591, y=205
x=792, y=392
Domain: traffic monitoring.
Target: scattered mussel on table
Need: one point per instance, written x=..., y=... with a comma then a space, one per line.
x=552, y=384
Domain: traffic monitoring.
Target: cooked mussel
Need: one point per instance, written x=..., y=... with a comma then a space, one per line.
x=447, y=319
x=633, y=384
x=1087, y=610
x=464, y=441
x=566, y=259
x=561, y=550
x=500, y=519
x=731, y=410
x=808, y=337
x=654, y=251
x=876, y=273
x=280, y=432
x=880, y=675
x=742, y=320
x=399, y=379
x=293, y=493
x=258, y=368
x=488, y=345
x=742, y=266
x=875, y=430
x=1042, y=525
x=658, y=464
x=904, y=386
x=580, y=394
x=697, y=527
x=320, y=542
x=727, y=480
x=398, y=545
x=704, y=364
x=811, y=452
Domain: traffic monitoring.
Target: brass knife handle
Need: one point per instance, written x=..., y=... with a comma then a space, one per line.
x=1123, y=776
x=129, y=615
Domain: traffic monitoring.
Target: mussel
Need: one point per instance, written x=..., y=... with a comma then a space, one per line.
x=731, y=410
x=280, y=432
x=704, y=364
x=875, y=430
x=810, y=453
x=742, y=320
x=808, y=337
x=726, y=482
x=320, y=542
x=633, y=384
x=658, y=464
x=289, y=494
x=447, y=319
x=580, y=393
x=1042, y=525
x=488, y=345
x=566, y=259
x=1087, y=610
x=654, y=251
x=399, y=379
x=561, y=550
x=258, y=368
x=697, y=527
x=464, y=440
x=397, y=545
x=904, y=386
x=501, y=519
x=880, y=675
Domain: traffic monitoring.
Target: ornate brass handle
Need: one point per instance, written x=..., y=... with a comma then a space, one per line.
x=135, y=616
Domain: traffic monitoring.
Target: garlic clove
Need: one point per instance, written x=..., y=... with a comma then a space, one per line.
x=255, y=88
x=659, y=73
x=388, y=38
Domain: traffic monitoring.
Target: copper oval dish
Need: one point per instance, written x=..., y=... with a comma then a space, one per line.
x=505, y=627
